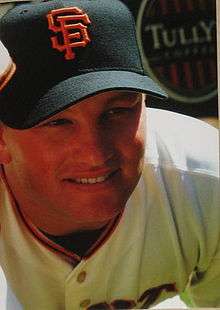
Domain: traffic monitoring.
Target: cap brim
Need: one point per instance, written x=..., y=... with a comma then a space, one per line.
x=77, y=88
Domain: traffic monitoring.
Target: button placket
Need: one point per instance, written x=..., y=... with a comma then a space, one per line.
x=78, y=291
x=80, y=279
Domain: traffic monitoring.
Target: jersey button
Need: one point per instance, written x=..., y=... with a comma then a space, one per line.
x=85, y=303
x=81, y=277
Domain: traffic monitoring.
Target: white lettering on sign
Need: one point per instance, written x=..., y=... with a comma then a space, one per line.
x=202, y=32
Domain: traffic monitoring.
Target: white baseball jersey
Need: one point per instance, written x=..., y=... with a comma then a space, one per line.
x=166, y=241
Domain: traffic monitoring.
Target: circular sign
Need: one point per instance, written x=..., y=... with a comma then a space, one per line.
x=178, y=45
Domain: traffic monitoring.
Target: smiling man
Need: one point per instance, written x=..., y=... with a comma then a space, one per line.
x=105, y=204
x=91, y=156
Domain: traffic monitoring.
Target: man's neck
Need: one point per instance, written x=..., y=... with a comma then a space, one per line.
x=77, y=242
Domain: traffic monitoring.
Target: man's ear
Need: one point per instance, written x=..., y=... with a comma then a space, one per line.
x=5, y=157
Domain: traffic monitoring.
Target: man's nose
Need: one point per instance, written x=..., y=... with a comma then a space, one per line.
x=96, y=147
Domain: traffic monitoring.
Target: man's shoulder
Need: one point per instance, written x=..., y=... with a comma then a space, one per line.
x=181, y=141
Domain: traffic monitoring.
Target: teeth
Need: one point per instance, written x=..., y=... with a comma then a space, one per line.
x=91, y=180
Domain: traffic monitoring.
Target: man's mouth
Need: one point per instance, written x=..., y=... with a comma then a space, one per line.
x=96, y=180
x=92, y=180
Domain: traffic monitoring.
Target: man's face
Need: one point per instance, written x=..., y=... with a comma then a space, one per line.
x=76, y=170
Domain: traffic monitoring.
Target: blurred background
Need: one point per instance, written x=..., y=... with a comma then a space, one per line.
x=179, y=49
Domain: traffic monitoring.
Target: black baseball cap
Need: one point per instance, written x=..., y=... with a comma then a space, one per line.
x=66, y=51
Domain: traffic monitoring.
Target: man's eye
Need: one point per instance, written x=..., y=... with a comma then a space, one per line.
x=58, y=122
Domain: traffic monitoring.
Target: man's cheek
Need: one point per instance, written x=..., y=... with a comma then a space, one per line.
x=36, y=173
x=133, y=159
x=134, y=149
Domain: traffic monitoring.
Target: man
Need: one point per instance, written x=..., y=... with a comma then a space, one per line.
x=104, y=204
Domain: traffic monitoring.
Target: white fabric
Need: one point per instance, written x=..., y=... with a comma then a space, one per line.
x=5, y=59
x=169, y=232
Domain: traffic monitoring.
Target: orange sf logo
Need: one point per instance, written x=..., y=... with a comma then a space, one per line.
x=71, y=23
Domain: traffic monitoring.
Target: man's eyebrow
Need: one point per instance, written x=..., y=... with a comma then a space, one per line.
x=124, y=95
x=50, y=119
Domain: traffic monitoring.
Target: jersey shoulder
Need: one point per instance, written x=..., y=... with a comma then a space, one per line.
x=181, y=141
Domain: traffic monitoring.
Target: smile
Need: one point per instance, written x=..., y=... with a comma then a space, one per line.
x=92, y=180
x=96, y=180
